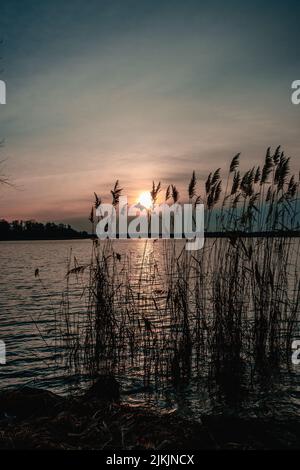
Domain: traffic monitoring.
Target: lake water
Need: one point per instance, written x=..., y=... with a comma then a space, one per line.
x=29, y=304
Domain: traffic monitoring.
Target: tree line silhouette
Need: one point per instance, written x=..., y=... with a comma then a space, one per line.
x=32, y=230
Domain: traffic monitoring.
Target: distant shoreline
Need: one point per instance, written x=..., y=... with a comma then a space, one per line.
x=266, y=234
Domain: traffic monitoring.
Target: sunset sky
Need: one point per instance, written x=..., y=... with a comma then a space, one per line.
x=139, y=90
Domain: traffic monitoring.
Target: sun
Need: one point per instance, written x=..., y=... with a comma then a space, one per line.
x=145, y=199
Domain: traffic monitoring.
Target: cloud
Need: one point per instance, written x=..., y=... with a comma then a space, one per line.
x=141, y=91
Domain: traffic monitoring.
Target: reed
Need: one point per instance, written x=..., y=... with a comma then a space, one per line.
x=170, y=314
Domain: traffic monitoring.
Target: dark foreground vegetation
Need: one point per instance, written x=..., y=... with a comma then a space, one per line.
x=31, y=230
x=232, y=304
x=38, y=419
x=226, y=314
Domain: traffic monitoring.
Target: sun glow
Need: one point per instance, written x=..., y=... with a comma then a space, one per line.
x=145, y=199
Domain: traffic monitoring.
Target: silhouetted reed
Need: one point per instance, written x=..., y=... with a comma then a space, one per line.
x=171, y=313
